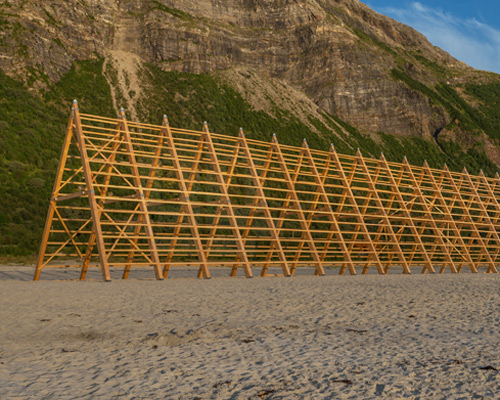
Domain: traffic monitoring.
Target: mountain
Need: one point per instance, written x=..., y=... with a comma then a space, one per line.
x=333, y=71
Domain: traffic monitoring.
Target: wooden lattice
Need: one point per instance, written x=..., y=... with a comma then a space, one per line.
x=131, y=195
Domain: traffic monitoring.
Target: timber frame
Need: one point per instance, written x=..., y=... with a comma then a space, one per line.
x=130, y=195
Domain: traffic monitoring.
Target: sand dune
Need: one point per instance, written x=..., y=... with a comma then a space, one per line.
x=335, y=337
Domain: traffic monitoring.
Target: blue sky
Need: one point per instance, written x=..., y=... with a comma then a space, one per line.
x=467, y=29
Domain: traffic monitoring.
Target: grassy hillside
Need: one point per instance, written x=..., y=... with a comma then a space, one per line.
x=32, y=129
x=31, y=134
x=30, y=138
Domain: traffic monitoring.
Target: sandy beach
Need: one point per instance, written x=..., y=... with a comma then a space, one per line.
x=334, y=337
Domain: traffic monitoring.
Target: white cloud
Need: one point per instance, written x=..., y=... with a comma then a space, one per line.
x=466, y=39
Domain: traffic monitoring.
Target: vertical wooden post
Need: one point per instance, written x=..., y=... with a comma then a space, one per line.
x=94, y=208
x=203, y=270
x=428, y=211
x=468, y=216
x=447, y=211
x=263, y=204
x=409, y=219
x=493, y=231
x=227, y=200
x=147, y=193
x=55, y=191
x=142, y=201
x=380, y=205
x=186, y=200
x=91, y=242
x=331, y=215
x=291, y=187
x=495, y=202
x=284, y=206
x=359, y=216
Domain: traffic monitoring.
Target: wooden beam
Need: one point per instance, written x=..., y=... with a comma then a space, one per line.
x=335, y=229
x=301, y=217
x=142, y=200
x=94, y=208
x=468, y=216
x=437, y=231
x=349, y=195
x=55, y=193
x=262, y=203
x=380, y=205
x=227, y=201
x=428, y=262
x=185, y=188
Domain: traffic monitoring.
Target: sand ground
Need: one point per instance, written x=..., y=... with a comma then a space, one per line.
x=334, y=337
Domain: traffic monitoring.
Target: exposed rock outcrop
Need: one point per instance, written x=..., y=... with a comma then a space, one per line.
x=338, y=53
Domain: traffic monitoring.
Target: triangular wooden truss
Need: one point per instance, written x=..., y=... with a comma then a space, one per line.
x=131, y=195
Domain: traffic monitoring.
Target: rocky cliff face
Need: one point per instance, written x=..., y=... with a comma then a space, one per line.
x=339, y=54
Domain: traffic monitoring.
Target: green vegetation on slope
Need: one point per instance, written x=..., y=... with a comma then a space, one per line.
x=173, y=11
x=85, y=82
x=417, y=150
x=488, y=112
x=470, y=119
x=30, y=141
x=190, y=99
x=461, y=114
x=31, y=135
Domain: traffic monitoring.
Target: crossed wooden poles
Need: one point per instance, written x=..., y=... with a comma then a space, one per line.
x=131, y=195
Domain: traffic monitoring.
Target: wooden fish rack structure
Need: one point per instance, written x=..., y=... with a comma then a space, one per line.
x=130, y=195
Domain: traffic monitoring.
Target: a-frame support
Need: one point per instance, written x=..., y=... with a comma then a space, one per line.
x=380, y=205
x=75, y=132
x=167, y=133
x=145, y=219
x=496, y=203
x=428, y=212
x=107, y=170
x=262, y=203
x=302, y=220
x=55, y=192
x=227, y=201
x=408, y=219
x=486, y=217
x=187, y=207
x=323, y=196
x=447, y=212
x=468, y=217
x=349, y=196
x=285, y=207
